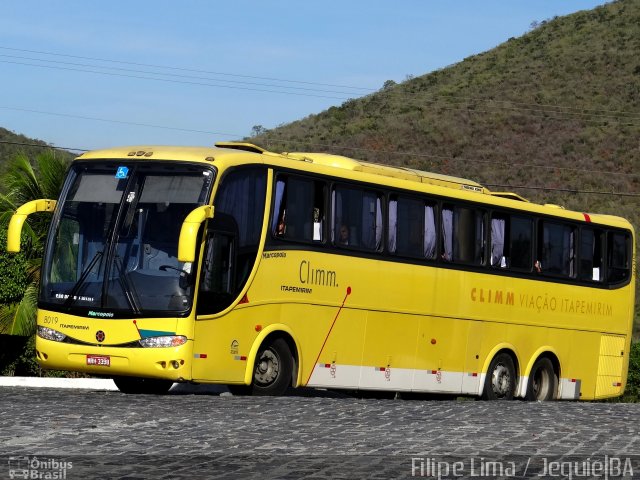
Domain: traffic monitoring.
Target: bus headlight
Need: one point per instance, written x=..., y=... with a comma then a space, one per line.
x=51, y=334
x=164, y=341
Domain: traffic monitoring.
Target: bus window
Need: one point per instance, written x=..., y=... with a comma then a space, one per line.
x=590, y=266
x=299, y=209
x=618, y=257
x=357, y=218
x=556, y=249
x=233, y=238
x=412, y=229
x=217, y=280
x=520, y=243
x=510, y=242
x=463, y=235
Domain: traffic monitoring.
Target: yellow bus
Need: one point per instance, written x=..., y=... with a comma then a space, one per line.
x=262, y=271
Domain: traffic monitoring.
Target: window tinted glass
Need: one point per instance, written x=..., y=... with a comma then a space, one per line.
x=520, y=243
x=241, y=196
x=618, y=257
x=590, y=267
x=556, y=249
x=462, y=235
x=411, y=228
x=299, y=209
x=357, y=216
x=233, y=238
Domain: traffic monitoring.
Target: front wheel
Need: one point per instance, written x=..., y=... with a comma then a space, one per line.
x=500, y=382
x=273, y=369
x=543, y=381
x=135, y=385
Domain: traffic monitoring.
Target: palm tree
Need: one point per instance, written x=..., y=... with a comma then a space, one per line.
x=25, y=183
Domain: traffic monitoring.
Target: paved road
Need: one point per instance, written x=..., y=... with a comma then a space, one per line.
x=96, y=434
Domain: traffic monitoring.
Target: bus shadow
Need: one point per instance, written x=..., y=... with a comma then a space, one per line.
x=307, y=392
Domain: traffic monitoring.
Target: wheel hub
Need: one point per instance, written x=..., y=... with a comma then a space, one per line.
x=268, y=368
x=501, y=380
x=541, y=384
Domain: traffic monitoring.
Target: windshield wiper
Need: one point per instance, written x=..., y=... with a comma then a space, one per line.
x=80, y=283
x=127, y=287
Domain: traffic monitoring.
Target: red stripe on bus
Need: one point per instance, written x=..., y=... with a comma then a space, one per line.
x=329, y=333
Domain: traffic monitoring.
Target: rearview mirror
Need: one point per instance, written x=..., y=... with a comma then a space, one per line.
x=189, y=232
x=18, y=219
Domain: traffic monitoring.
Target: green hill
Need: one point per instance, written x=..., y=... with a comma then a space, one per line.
x=547, y=115
x=11, y=143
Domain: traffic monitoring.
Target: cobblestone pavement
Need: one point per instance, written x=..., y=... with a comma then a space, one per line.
x=95, y=434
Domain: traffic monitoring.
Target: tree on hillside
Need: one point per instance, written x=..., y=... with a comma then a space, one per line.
x=24, y=181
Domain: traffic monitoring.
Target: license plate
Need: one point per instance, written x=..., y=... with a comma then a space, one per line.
x=99, y=360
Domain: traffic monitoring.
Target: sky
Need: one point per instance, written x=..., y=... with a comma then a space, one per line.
x=87, y=75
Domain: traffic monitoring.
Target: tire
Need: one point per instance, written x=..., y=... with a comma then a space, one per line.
x=272, y=374
x=543, y=381
x=500, y=381
x=148, y=386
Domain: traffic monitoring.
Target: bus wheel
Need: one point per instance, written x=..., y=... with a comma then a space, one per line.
x=500, y=382
x=135, y=385
x=543, y=382
x=273, y=369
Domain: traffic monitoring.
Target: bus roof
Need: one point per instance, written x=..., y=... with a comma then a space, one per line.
x=243, y=152
x=200, y=154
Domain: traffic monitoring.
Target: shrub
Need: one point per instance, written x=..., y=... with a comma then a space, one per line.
x=13, y=272
x=632, y=392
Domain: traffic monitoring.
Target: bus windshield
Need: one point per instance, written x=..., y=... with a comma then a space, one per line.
x=112, y=247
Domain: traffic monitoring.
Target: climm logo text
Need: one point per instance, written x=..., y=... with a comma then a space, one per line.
x=316, y=276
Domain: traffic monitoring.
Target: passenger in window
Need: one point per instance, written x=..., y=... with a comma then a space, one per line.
x=538, y=266
x=280, y=231
x=343, y=235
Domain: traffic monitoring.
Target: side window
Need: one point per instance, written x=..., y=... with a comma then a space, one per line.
x=618, y=257
x=511, y=241
x=463, y=235
x=520, y=243
x=233, y=237
x=591, y=254
x=412, y=230
x=357, y=218
x=556, y=249
x=299, y=209
x=241, y=195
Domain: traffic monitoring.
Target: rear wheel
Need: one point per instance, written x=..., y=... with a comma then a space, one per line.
x=500, y=382
x=543, y=381
x=135, y=385
x=273, y=369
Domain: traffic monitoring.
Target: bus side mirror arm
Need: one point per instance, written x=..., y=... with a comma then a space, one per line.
x=189, y=232
x=18, y=219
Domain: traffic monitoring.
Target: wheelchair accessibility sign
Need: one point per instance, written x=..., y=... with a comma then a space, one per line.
x=122, y=172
